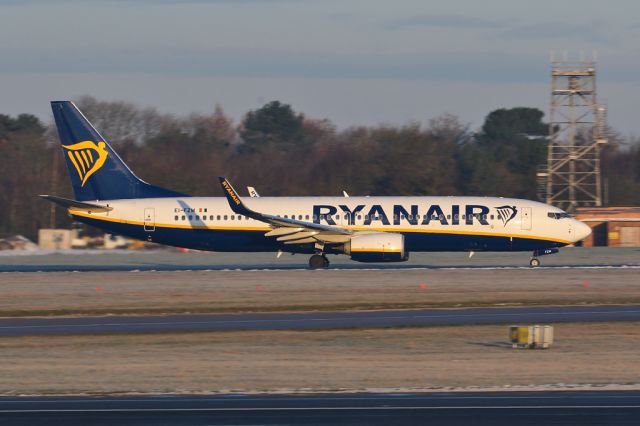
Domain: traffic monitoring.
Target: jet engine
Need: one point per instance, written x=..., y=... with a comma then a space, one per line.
x=377, y=247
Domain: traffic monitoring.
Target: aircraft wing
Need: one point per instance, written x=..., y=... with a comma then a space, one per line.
x=289, y=231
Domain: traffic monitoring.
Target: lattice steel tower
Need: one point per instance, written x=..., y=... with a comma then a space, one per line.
x=577, y=130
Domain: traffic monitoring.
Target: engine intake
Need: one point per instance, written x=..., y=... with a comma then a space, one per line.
x=377, y=247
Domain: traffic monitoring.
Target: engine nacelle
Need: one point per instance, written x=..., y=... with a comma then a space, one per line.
x=377, y=247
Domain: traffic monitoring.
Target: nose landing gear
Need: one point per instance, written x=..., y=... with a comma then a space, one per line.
x=535, y=262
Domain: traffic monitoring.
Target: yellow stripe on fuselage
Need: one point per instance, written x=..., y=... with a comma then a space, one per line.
x=266, y=228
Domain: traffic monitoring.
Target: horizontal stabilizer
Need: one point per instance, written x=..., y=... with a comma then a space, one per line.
x=76, y=205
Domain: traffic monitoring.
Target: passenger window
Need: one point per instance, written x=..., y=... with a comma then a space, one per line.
x=175, y=218
x=448, y=216
x=225, y=217
x=307, y=217
x=233, y=217
x=218, y=217
x=190, y=217
x=211, y=217
x=359, y=217
x=183, y=217
x=197, y=217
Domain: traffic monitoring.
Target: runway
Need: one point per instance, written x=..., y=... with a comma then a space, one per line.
x=494, y=408
x=12, y=327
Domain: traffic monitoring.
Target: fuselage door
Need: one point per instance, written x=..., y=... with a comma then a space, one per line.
x=525, y=218
x=149, y=219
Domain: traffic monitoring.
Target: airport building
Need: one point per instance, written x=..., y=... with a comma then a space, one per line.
x=611, y=226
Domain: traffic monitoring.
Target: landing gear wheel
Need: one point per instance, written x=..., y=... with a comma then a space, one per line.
x=535, y=262
x=318, y=261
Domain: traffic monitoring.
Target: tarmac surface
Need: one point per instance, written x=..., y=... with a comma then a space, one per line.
x=486, y=408
x=12, y=327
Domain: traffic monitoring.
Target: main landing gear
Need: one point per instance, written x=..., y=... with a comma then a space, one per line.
x=535, y=262
x=318, y=261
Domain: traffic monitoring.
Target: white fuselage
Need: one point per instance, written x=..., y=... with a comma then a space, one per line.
x=428, y=223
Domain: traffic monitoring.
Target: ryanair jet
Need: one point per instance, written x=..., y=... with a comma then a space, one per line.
x=108, y=195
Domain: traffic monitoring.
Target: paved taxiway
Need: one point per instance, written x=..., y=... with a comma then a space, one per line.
x=494, y=408
x=313, y=321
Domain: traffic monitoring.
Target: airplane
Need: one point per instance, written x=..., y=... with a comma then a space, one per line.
x=109, y=196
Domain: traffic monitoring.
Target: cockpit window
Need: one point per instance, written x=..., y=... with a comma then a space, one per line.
x=558, y=215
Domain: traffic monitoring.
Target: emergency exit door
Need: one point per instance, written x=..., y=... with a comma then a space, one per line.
x=149, y=219
x=525, y=218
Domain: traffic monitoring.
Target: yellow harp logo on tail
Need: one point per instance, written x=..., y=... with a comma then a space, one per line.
x=87, y=158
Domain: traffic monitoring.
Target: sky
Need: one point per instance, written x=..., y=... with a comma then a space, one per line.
x=354, y=62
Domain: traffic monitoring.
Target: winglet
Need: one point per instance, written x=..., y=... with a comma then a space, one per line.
x=233, y=198
x=252, y=192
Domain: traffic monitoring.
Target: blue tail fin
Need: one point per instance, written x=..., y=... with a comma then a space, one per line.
x=97, y=172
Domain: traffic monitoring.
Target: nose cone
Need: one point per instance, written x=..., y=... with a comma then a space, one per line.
x=582, y=231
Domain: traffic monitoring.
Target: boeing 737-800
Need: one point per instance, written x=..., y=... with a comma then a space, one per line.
x=108, y=195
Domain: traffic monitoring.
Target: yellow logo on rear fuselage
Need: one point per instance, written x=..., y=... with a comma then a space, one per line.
x=87, y=158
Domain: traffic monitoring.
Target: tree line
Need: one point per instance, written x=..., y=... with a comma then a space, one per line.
x=284, y=152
